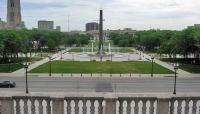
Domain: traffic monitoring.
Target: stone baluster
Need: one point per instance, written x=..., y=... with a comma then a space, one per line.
x=76, y=106
x=187, y=106
x=179, y=109
x=33, y=106
x=92, y=108
x=121, y=107
x=48, y=107
x=136, y=108
x=129, y=106
x=172, y=106
x=194, y=106
x=40, y=107
x=100, y=108
x=57, y=105
x=25, y=106
x=6, y=106
x=144, y=106
x=151, y=108
x=69, y=107
x=17, y=106
x=84, y=108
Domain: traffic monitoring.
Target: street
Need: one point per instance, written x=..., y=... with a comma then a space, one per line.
x=127, y=85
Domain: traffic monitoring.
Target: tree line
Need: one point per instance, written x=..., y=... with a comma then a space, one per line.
x=185, y=42
x=13, y=42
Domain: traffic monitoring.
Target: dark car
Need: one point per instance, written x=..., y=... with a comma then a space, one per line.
x=7, y=84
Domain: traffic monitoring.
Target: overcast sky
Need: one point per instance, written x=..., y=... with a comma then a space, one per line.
x=118, y=14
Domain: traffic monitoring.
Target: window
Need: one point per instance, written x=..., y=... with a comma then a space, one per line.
x=12, y=3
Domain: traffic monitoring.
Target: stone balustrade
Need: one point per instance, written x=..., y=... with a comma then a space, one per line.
x=99, y=103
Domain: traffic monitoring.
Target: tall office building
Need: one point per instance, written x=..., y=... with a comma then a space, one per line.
x=92, y=26
x=45, y=25
x=14, y=19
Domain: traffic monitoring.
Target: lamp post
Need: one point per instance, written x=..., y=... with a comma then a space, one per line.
x=111, y=57
x=26, y=68
x=26, y=72
x=152, y=58
x=61, y=57
x=49, y=65
x=9, y=64
x=175, y=69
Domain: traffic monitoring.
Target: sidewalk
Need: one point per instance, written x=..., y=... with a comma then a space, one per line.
x=164, y=64
x=38, y=63
x=98, y=75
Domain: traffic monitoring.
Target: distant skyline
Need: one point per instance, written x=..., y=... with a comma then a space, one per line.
x=118, y=14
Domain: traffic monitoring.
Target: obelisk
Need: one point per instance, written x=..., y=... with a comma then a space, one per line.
x=101, y=32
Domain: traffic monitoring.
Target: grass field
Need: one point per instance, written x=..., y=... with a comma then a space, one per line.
x=184, y=64
x=191, y=68
x=6, y=68
x=76, y=50
x=121, y=50
x=98, y=67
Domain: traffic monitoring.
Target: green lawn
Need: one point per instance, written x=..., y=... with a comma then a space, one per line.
x=76, y=50
x=121, y=50
x=191, y=68
x=98, y=67
x=6, y=68
x=125, y=50
x=184, y=64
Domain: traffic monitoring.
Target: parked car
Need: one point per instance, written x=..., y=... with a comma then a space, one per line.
x=7, y=84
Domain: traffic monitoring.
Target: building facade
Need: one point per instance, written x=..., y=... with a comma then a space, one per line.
x=58, y=28
x=3, y=24
x=14, y=19
x=93, y=26
x=45, y=25
x=196, y=26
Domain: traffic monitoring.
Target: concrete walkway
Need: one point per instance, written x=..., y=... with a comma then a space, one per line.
x=56, y=56
x=164, y=64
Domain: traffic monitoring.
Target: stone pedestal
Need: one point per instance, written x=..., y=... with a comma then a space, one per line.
x=58, y=105
x=163, y=106
x=7, y=106
x=110, y=106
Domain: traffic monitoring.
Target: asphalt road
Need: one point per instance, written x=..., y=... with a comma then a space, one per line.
x=128, y=85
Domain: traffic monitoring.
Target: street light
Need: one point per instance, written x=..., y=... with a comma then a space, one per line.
x=9, y=64
x=152, y=58
x=61, y=57
x=26, y=68
x=49, y=65
x=175, y=69
x=26, y=71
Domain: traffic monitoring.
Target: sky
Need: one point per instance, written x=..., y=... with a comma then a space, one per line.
x=118, y=14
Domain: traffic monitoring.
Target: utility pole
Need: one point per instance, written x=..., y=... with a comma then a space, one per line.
x=68, y=24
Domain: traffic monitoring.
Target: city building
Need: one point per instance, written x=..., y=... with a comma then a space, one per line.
x=125, y=30
x=45, y=25
x=93, y=29
x=3, y=24
x=93, y=26
x=76, y=32
x=197, y=26
x=58, y=28
x=14, y=19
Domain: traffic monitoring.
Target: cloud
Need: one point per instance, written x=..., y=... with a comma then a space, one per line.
x=136, y=14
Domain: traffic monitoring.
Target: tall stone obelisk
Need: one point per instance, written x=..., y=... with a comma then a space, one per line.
x=101, y=32
x=14, y=18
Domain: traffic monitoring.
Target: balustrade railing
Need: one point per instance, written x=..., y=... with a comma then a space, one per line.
x=100, y=104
